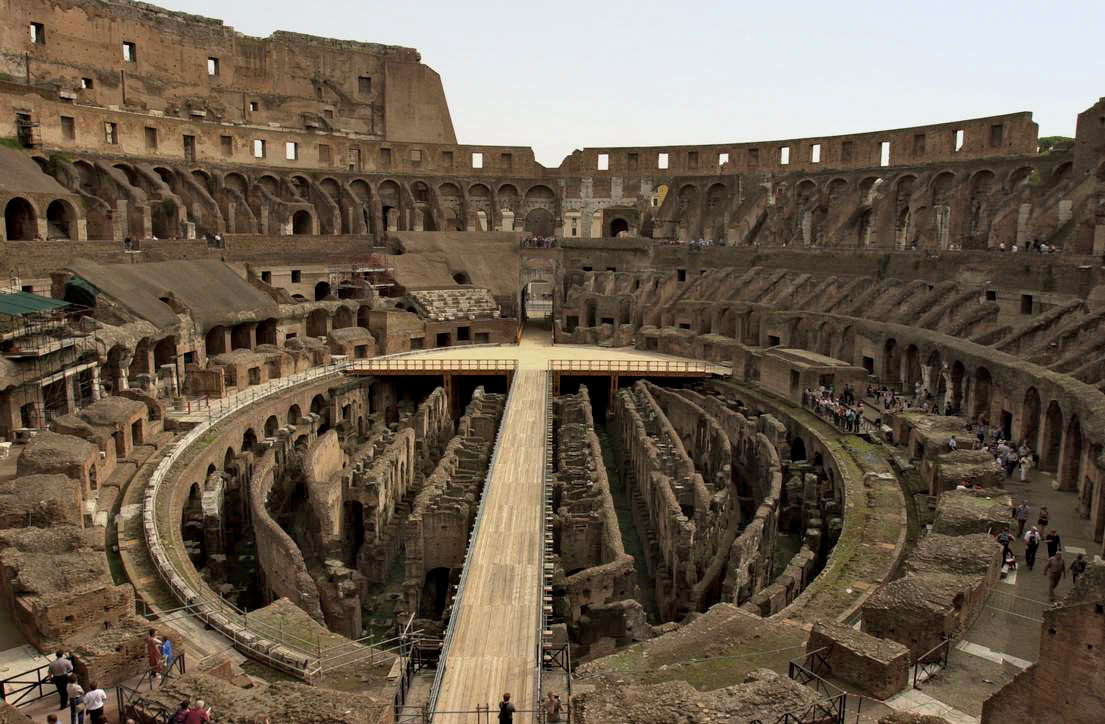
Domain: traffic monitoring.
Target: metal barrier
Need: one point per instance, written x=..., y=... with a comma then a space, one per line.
x=544, y=581
x=432, y=365
x=1004, y=602
x=28, y=686
x=635, y=366
x=931, y=663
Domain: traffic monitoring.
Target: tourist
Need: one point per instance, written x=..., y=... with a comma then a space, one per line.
x=1003, y=541
x=1031, y=543
x=181, y=713
x=1021, y=514
x=1041, y=520
x=153, y=654
x=1077, y=568
x=166, y=655
x=552, y=708
x=1055, y=570
x=1026, y=465
x=198, y=713
x=952, y=444
x=51, y=719
x=59, y=669
x=506, y=710
x=94, y=702
x=1053, y=542
x=76, y=706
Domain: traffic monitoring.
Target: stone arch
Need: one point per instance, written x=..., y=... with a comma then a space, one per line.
x=1070, y=468
x=303, y=223
x=167, y=176
x=941, y=187
x=88, y=177
x=236, y=182
x=343, y=317
x=1030, y=418
x=361, y=189
x=271, y=426
x=891, y=362
x=479, y=199
x=331, y=188
x=61, y=220
x=1051, y=443
x=322, y=290
x=20, y=219
x=913, y=372
x=805, y=191
x=618, y=225
x=228, y=458
x=825, y=338
x=249, y=440
x=294, y=414
x=1061, y=171
x=317, y=322
x=390, y=205
x=539, y=222
x=301, y=186
x=982, y=394
x=867, y=189
x=509, y=197
x=1018, y=176
x=129, y=172
x=420, y=192
x=270, y=184
x=958, y=373
x=203, y=179
x=540, y=196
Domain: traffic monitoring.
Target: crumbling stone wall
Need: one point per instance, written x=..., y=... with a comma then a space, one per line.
x=279, y=557
x=436, y=532
x=946, y=579
x=879, y=667
x=1064, y=684
x=591, y=558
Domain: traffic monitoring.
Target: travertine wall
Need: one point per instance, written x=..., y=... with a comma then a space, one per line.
x=587, y=537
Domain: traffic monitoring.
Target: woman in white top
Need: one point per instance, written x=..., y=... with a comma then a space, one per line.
x=76, y=701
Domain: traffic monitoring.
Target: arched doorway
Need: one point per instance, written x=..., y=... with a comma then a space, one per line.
x=19, y=218
x=981, y=407
x=60, y=220
x=301, y=223
x=539, y=222
x=1053, y=438
x=619, y=226
x=1071, y=465
x=958, y=372
x=913, y=373
x=1030, y=418
x=271, y=426
x=891, y=362
x=797, y=450
x=322, y=291
x=434, y=593
x=294, y=414
x=249, y=440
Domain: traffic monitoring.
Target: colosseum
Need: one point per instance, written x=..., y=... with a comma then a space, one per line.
x=337, y=419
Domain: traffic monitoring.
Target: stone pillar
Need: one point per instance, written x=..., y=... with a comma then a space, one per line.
x=96, y=392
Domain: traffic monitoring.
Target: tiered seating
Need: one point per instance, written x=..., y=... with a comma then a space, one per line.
x=444, y=305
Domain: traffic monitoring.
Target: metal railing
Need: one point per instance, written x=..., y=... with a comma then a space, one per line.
x=834, y=701
x=544, y=511
x=931, y=663
x=28, y=686
x=432, y=365
x=458, y=599
x=628, y=365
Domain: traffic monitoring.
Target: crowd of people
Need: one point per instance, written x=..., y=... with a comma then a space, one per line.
x=843, y=411
x=1056, y=567
x=539, y=242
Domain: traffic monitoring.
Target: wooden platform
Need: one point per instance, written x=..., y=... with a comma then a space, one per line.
x=494, y=646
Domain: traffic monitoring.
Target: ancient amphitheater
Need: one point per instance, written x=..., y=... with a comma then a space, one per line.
x=378, y=427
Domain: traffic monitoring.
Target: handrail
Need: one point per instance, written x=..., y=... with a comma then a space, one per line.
x=652, y=365
x=434, y=365
x=25, y=684
x=458, y=599
x=929, y=668
x=543, y=526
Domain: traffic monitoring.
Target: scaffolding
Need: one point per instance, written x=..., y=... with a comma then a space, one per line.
x=373, y=273
x=54, y=359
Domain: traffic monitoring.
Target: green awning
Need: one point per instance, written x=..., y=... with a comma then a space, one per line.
x=19, y=303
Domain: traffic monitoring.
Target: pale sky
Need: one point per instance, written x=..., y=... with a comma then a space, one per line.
x=563, y=75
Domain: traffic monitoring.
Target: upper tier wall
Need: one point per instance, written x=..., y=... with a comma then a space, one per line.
x=137, y=56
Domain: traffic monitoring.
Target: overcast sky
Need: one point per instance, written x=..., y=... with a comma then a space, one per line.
x=567, y=74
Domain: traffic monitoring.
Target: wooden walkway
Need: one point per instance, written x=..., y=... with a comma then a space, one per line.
x=494, y=646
